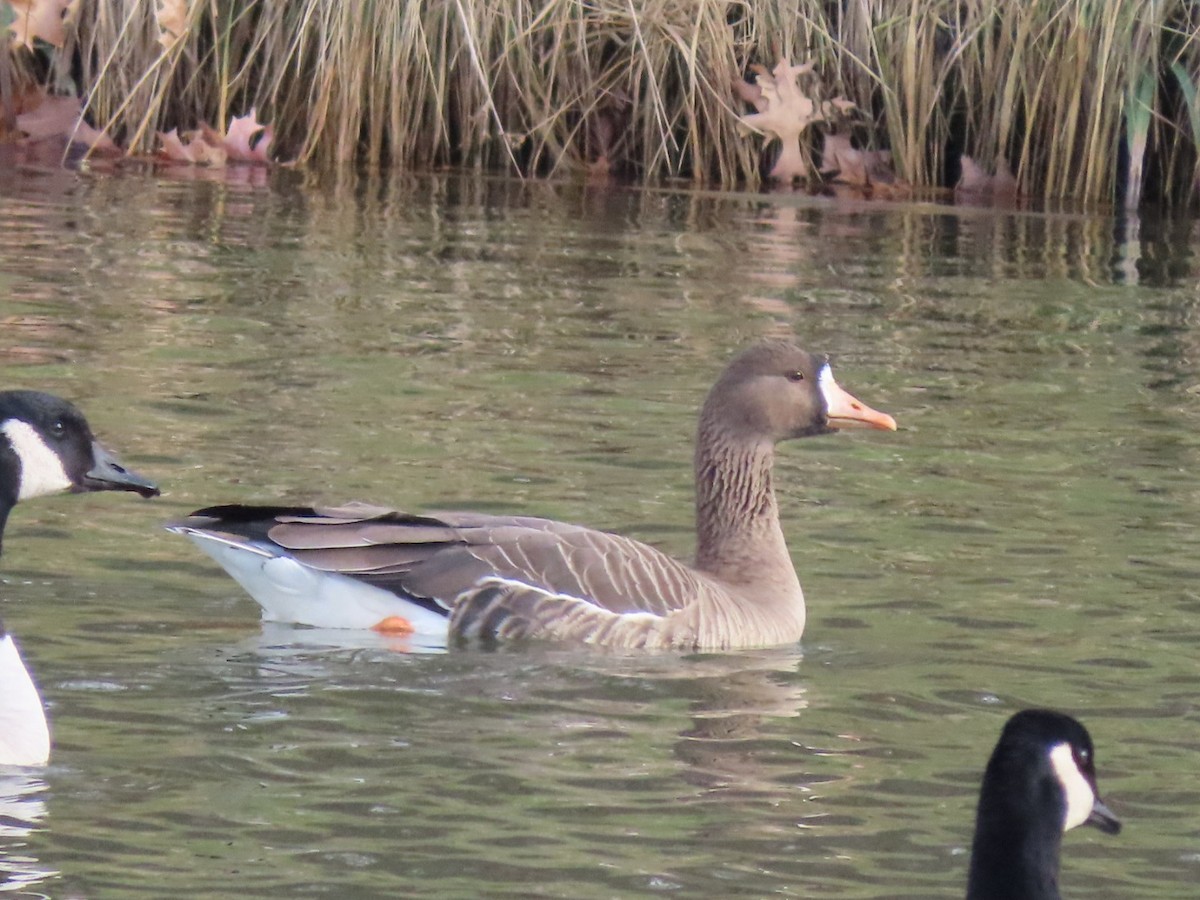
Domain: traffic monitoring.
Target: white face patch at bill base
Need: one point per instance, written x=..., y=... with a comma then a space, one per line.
x=42, y=470
x=1080, y=796
x=830, y=389
x=825, y=377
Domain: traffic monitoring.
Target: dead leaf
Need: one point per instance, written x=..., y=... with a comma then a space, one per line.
x=247, y=140
x=63, y=117
x=173, y=148
x=605, y=131
x=205, y=153
x=841, y=161
x=240, y=141
x=172, y=19
x=750, y=93
x=193, y=147
x=1004, y=183
x=44, y=19
x=977, y=184
x=25, y=98
x=972, y=180
x=897, y=190
x=599, y=169
x=785, y=112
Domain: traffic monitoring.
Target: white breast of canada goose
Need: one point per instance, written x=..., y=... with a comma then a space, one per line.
x=24, y=735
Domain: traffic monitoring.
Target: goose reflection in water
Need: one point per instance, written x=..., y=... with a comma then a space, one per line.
x=733, y=700
x=21, y=812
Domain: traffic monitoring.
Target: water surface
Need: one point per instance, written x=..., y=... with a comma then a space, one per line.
x=1029, y=536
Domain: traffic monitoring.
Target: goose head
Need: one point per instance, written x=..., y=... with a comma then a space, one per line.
x=47, y=447
x=775, y=391
x=1040, y=782
x=1045, y=759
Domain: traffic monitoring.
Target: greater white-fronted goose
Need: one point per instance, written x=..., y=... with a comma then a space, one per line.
x=479, y=575
x=46, y=447
x=1039, y=783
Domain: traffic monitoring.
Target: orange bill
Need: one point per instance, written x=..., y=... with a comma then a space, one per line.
x=847, y=411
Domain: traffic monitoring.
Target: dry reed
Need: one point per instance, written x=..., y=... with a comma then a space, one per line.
x=1080, y=98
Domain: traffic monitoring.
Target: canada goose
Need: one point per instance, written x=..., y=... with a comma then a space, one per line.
x=1040, y=782
x=46, y=447
x=473, y=574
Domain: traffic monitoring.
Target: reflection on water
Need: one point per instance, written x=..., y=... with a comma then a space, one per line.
x=1029, y=537
x=22, y=809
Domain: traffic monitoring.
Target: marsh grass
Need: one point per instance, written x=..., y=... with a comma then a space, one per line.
x=1091, y=100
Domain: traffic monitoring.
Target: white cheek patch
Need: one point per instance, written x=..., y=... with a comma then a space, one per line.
x=1080, y=796
x=825, y=379
x=41, y=469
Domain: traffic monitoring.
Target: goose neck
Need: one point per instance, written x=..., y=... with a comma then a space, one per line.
x=1011, y=860
x=737, y=519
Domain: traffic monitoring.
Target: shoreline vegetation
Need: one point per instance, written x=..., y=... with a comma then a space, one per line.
x=1092, y=102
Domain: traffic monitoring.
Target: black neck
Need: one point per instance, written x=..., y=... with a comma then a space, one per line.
x=10, y=480
x=1018, y=839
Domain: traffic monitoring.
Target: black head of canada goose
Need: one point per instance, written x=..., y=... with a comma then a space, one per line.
x=1039, y=783
x=479, y=575
x=46, y=447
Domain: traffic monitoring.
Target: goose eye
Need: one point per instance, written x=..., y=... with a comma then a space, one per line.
x=795, y=376
x=58, y=428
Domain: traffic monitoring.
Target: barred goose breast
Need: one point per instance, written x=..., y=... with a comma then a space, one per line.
x=467, y=575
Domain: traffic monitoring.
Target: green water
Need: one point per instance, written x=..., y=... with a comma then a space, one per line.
x=1029, y=537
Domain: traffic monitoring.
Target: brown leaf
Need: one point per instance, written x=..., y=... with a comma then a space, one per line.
x=205, y=153
x=206, y=146
x=63, y=117
x=750, y=93
x=173, y=149
x=240, y=141
x=1004, y=183
x=200, y=148
x=976, y=183
x=973, y=179
x=172, y=19
x=841, y=161
x=785, y=112
x=40, y=19
x=247, y=140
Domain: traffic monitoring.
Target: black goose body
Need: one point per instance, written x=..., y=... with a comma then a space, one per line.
x=1039, y=783
x=46, y=447
x=474, y=574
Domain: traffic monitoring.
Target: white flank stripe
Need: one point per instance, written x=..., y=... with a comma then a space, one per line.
x=1080, y=796
x=24, y=736
x=41, y=470
x=499, y=581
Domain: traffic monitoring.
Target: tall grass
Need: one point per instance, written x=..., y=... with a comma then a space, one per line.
x=1081, y=98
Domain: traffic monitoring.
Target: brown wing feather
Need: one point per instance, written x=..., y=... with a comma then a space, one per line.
x=444, y=555
x=611, y=572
